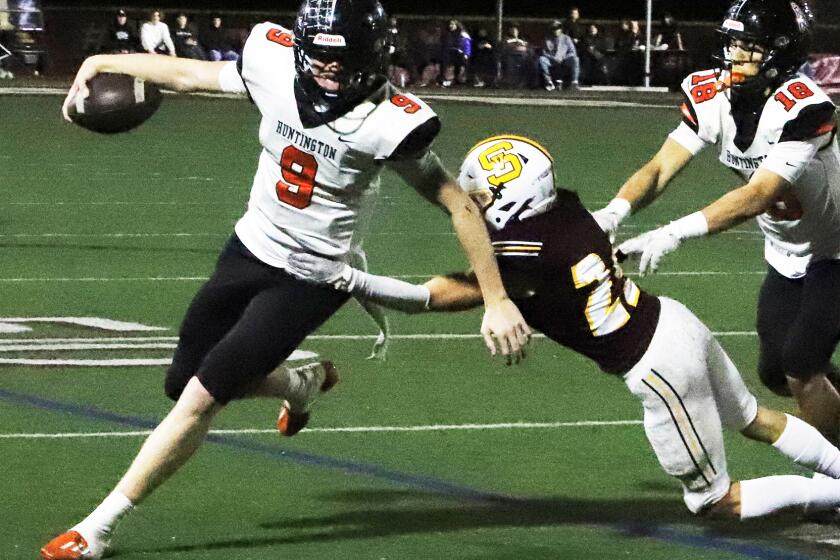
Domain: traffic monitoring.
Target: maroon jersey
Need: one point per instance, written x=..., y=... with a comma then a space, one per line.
x=559, y=269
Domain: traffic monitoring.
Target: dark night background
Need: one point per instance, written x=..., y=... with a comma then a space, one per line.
x=702, y=10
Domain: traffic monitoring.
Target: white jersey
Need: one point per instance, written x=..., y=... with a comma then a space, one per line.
x=312, y=183
x=794, y=138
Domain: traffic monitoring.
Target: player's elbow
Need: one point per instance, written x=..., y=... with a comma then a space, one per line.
x=183, y=82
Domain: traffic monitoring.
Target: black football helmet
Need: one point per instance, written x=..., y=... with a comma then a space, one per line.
x=351, y=32
x=780, y=29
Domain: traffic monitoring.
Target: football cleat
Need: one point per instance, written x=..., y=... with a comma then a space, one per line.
x=72, y=546
x=314, y=380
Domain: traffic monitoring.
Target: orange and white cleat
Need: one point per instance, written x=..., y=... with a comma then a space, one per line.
x=72, y=546
x=313, y=380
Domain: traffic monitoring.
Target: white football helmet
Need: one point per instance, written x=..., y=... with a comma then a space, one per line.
x=510, y=177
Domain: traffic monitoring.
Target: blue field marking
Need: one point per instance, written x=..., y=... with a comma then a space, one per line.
x=426, y=483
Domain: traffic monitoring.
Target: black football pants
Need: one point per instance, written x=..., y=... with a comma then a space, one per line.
x=798, y=324
x=246, y=320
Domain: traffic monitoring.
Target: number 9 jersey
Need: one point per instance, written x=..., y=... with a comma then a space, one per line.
x=316, y=170
x=793, y=135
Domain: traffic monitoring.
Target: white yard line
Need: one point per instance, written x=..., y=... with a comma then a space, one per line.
x=105, y=279
x=113, y=235
x=107, y=343
x=425, y=95
x=86, y=346
x=116, y=362
x=348, y=429
x=155, y=235
x=92, y=322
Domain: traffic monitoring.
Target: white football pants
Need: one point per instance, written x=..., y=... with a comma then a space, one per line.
x=689, y=387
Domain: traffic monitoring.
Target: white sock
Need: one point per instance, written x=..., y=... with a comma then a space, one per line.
x=771, y=494
x=101, y=522
x=806, y=446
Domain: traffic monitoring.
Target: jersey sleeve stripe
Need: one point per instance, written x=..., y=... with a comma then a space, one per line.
x=812, y=121
x=689, y=114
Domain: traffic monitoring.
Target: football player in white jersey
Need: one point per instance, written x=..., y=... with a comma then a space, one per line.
x=776, y=129
x=558, y=265
x=330, y=123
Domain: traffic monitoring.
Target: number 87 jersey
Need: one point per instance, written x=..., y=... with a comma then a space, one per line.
x=317, y=169
x=791, y=134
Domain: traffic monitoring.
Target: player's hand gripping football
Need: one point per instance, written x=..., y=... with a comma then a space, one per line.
x=652, y=246
x=87, y=71
x=504, y=323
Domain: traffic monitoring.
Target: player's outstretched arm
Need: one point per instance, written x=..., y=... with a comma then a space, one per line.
x=643, y=186
x=731, y=209
x=503, y=322
x=455, y=292
x=181, y=74
x=646, y=184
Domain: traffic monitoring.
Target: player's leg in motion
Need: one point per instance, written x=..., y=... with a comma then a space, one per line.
x=809, y=345
x=688, y=386
x=778, y=305
x=266, y=314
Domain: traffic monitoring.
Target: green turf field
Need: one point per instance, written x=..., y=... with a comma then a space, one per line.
x=126, y=227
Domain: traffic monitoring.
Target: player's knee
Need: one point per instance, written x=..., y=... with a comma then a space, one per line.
x=772, y=376
x=803, y=361
x=775, y=384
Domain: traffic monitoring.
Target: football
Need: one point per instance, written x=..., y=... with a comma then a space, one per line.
x=117, y=103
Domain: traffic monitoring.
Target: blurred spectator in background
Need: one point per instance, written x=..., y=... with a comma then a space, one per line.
x=483, y=62
x=218, y=43
x=573, y=27
x=559, y=55
x=122, y=37
x=593, y=58
x=629, y=64
x=669, y=35
x=516, y=58
x=630, y=37
x=424, y=54
x=457, y=50
x=155, y=37
x=185, y=37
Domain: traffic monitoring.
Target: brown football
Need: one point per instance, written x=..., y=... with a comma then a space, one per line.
x=117, y=103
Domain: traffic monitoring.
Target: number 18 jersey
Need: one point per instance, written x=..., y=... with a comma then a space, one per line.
x=312, y=182
x=793, y=135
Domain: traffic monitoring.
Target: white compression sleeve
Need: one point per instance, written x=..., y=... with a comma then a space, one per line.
x=390, y=292
x=806, y=446
x=771, y=494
